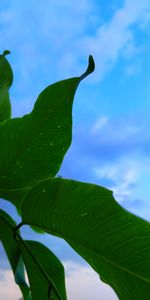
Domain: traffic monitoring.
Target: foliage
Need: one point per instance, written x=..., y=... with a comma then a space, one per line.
x=113, y=241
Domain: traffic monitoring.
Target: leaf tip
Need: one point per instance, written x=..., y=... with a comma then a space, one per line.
x=6, y=52
x=90, y=68
x=91, y=65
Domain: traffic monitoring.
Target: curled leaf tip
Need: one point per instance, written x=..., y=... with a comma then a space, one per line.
x=6, y=52
x=90, y=68
x=91, y=65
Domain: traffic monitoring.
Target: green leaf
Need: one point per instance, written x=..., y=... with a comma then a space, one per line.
x=45, y=271
x=6, y=74
x=10, y=245
x=32, y=148
x=113, y=241
x=6, y=79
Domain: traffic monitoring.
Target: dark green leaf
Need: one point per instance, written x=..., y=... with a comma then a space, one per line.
x=6, y=74
x=32, y=148
x=5, y=106
x=113, y=241
x=45, y=272
x=13, y=252
x=6, y=79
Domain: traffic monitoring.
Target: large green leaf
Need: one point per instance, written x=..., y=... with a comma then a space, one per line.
x=6, y=79
x=45, y=272
x=32, y=147
x=13, y=252
x=113, y=241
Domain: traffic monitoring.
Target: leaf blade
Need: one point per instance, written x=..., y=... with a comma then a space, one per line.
x=109, y=238
x=6, y=79
x=33, y=147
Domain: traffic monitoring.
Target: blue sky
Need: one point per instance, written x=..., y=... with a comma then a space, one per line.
x=50, y=41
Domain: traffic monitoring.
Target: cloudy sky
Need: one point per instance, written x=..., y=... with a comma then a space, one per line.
x=50, y=41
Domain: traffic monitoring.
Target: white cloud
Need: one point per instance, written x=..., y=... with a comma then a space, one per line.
x=127, y=140
x=43, y=40
x=106, y=129
x=112, y=38
x=58, y=36
x=124, y=175
x=8, y=288
x=99, y=124
x=44, y=35
x=128, y=178
x=133, y=69
x=83, y=283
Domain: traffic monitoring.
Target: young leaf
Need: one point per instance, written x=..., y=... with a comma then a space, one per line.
x=45, y=272
x=32, y=148
x=113, y=241
x=6, y=79
x=12, y=249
